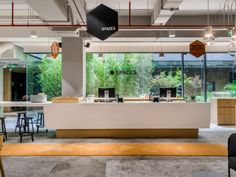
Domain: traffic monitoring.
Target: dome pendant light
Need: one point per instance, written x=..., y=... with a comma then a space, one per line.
x=209, y=37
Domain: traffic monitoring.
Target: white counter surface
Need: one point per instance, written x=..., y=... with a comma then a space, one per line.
x=22, y=104
x=128, y=116
x=132, y=115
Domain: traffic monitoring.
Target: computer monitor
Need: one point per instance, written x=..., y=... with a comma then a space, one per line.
x=111, y=92
x=168, y=91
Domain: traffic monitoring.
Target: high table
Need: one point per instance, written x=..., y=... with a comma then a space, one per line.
x=134, y=119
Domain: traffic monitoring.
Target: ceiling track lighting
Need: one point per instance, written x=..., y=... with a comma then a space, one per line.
x=209, y=37
x=33, y=34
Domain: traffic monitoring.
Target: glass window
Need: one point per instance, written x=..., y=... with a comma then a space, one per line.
x=128, y=73
x=193, y=78
x=133, y=74
x=44, y=74
x=221, y=75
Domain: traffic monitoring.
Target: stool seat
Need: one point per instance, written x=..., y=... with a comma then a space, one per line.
x=26, y=128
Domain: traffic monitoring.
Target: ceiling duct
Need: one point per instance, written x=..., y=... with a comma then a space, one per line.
x=79, y=11
x=50, y=10
x=11, y=54
x=163, y=10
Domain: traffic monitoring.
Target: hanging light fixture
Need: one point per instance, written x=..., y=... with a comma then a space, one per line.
x=33, y=34
x=172, y=31
x=232, y=44
x=234, y=34
x=172, y=34
x=161, y=54
x=209, y=37
x=100, y=54
x=234, y=29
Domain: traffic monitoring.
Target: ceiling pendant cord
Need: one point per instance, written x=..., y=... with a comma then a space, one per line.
x=208, y=15
x=234, y=13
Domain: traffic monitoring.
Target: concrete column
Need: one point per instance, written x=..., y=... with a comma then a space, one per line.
x=1, y=89
x=73, y=67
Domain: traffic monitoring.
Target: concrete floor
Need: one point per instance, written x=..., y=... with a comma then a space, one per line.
x=145, y=166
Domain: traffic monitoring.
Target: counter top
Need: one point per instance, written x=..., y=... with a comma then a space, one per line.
x=30, y=104
x=22, y=104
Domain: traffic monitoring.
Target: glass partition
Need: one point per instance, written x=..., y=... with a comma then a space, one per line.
x=129, y=74
x=133, y=74
x=221, y=75
x=44, y=74
x=140, y=74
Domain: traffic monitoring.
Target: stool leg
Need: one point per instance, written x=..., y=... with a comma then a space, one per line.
x=32, y=137
x=32, y=134
x=1, y=168
x=17, y=123
x=32, y=125
x=20, y=133
x=4, y=129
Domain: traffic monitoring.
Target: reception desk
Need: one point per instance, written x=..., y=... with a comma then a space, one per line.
x=134, y=119
x=138, y=119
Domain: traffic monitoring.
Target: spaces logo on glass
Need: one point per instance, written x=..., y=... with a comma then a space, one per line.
x=123, y=72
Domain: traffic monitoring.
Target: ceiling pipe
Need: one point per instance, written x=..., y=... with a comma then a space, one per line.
x=223, y=27
x=129, y=26
x=12, y=13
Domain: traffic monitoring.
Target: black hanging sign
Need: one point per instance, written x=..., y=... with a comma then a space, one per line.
x=102, y=22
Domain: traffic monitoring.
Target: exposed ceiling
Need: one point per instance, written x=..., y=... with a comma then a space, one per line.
x=143, y=12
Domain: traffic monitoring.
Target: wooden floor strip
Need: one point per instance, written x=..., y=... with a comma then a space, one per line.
x=114, y=149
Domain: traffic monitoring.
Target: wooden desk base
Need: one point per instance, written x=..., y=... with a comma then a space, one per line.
x=127, y=133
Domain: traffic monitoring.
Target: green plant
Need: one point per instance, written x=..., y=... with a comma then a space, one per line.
x=130, y=74
x=166, y=79
x=192, y=86
x=231, y=88
x=50, y=76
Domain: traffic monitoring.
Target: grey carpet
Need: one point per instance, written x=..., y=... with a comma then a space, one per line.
x=166, y=167
x=142, y=166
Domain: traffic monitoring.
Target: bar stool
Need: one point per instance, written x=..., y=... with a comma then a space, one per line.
x=40, y=121
x=26, y=128
x=3, y=127
x=19, y=116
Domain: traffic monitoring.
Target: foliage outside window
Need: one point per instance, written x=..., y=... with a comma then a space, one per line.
x=45, y=75
x=129, y=74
